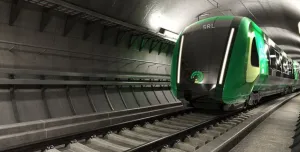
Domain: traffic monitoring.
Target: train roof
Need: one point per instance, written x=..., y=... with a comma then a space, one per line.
x=236, y=21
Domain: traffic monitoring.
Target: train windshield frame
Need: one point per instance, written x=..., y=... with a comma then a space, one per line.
x=208, y=59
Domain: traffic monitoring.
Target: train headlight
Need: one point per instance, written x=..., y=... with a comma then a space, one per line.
x=226, y=56
x=179, y=60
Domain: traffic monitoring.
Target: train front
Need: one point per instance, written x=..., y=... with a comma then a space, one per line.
x=200, y=61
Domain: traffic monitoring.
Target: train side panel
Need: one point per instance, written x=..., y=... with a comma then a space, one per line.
x=236, y=89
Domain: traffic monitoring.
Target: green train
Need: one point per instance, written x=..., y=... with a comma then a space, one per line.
x=228, y=62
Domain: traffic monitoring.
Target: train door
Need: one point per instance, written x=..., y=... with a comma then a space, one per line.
x=253, y=58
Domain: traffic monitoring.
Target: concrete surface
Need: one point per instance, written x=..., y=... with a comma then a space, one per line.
x=275, y=133
x=26, y=30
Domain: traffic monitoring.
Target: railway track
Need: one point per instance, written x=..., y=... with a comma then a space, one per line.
x=193, y=138
x=184, y=131
x=126, y=138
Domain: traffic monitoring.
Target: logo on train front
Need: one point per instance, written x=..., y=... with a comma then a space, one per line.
x=197, y=77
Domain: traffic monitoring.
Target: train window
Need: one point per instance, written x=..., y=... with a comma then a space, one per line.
x=284, y=63
x=291, y=70
x=292, y=73
x=268, y=56
x=254, y=55
x=278, y=61
x=287, y=68
x=272, y=58
x=290, y=67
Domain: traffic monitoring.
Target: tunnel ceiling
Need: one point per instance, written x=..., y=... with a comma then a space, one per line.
x=278, y=18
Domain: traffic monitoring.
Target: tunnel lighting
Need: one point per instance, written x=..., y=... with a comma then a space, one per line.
x=271, y=42
x=179, y=60
x=155, y=20
x=226, y=56
x=171, y=34
x=168, y=34
x=272, y=56
x=299, y=27
x=158, y=19
x=204, y=14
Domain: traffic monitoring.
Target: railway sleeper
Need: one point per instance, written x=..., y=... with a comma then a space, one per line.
x=182, y=120
x=204, y=136
x=166, y=125
x=181, y=124
x=78, y=147
x=195, y=120
x=223, y=125
x=199, y=116
x=161, y=129
x=212, y=132
x=123, y=140
x=194, y=141
x=171, y=150
x=101, y=144
x=219, y=129
x=184, y=146
x=228, y=122
x=149, y=132
x=138, y=136
x=52, y=150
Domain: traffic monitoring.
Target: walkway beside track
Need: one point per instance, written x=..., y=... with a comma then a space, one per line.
x=274, y=134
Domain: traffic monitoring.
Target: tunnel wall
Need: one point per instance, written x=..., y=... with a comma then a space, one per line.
x=33, y=104
x=25, y=30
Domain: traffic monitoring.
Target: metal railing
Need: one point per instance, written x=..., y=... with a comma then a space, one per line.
x=93, y=16
x=44, y=49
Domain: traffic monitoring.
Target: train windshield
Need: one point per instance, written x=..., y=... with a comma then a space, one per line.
x=202, y=51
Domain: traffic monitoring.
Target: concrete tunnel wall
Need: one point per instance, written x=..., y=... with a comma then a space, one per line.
x=34, y=104
x=26, y=30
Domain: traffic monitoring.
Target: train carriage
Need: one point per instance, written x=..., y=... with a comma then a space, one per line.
x=228, y=62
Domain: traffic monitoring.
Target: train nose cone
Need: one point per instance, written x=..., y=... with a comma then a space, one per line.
x=194, y=91
x=196, y=83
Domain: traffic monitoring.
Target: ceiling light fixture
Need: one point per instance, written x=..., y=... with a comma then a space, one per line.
x=299, y=27
x=168, y=34
x=204, y=14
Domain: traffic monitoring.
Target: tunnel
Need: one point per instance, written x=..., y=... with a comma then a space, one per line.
x=149, y=75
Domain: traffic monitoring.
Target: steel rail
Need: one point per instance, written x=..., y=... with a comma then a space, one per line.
x=65, y=140
x=171, y=139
